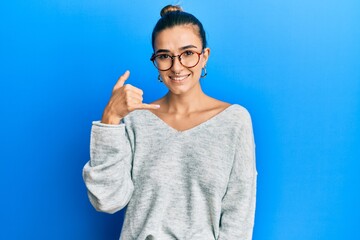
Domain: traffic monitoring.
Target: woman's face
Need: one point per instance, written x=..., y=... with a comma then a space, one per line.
x=175, y=41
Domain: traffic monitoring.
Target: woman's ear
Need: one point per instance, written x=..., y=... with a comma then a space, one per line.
x=206, y=55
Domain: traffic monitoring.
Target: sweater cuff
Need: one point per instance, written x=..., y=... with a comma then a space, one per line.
x=100, y=124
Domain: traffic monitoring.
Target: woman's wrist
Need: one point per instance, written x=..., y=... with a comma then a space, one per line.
x=109, y=118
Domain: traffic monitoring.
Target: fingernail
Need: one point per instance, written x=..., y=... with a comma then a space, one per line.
x=157, y=106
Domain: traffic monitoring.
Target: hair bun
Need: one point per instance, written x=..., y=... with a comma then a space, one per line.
x=170, y=8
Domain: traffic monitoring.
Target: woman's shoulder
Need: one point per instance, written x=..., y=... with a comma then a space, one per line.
x=233, y=116
x=240, y=114
x=230, y=117
x=235, y=109
x=240, y=110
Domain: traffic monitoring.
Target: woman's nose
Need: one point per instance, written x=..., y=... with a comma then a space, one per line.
x=177, y=64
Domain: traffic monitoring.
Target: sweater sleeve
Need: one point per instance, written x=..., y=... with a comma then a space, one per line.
x=238, y=203
x=107, y=175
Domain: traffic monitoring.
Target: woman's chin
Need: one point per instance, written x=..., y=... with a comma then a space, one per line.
x=182, y=87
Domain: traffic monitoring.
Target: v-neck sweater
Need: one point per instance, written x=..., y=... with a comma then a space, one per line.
x=194, y=184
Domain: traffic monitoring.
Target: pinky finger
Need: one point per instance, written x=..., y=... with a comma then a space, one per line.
x=149, y=106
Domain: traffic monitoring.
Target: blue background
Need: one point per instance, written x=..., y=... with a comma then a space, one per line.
x=295, y=65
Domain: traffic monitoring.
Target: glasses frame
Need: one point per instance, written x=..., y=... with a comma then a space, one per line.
x=153, y=57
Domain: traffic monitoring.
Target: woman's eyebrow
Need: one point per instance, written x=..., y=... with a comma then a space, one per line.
x=162, y=51
x=187, y=47
x=182, y=48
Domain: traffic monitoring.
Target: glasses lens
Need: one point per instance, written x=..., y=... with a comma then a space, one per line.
x=163, y=61
x=189, y=59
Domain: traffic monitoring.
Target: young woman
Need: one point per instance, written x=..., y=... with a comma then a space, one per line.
x=183, y=165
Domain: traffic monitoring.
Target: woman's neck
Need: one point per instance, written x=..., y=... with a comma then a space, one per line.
x=184, y=103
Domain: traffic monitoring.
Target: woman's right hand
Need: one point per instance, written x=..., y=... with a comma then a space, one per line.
x=124, y=99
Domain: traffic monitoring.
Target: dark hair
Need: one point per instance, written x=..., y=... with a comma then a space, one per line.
x=172, y=16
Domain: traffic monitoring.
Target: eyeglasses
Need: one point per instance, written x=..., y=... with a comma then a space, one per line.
x=164, y=61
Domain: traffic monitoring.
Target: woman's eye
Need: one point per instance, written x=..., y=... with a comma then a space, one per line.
x=188, y=53
x=163, y=56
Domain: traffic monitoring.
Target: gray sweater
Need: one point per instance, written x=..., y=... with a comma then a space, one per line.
x=194, y=184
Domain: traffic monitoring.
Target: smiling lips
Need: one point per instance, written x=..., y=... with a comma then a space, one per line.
x=178, y=78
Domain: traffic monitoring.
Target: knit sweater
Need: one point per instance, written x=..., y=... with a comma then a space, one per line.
x=194, y=184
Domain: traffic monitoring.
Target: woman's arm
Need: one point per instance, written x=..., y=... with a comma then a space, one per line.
x=238, y=204
x=108, y=173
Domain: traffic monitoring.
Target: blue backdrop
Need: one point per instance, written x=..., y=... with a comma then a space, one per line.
x=295, y=65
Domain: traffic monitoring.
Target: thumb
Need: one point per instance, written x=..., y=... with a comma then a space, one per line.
x=122, y=80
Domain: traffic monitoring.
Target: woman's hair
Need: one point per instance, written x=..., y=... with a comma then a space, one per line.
x=172, y=16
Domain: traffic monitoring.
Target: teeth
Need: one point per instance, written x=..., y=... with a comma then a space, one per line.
x=179, y=78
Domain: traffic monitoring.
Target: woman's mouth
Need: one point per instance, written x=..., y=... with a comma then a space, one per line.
x=179, y=78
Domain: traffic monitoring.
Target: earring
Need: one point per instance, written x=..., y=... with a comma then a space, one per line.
x=159, y=78
x=203, y=72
